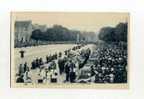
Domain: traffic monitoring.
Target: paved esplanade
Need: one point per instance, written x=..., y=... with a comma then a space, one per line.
x=32, y=53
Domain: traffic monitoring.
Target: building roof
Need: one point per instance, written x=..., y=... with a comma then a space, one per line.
x=23, y=23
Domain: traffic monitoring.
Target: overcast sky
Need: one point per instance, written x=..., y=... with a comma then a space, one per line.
x=78, y=21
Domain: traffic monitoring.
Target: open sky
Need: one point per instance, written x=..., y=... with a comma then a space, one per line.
x=84, y=21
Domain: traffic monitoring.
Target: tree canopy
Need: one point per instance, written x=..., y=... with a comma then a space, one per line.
x=56, y=33
x=114, y=34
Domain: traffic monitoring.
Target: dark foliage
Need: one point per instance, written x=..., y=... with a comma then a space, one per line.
x=56, y=33
x=116, y=34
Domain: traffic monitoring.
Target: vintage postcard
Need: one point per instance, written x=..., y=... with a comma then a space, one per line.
x=70, y=50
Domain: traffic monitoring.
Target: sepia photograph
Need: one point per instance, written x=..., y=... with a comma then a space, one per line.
x=69, y=49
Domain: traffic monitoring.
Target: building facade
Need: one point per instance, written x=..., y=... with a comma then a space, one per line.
x=23, y=31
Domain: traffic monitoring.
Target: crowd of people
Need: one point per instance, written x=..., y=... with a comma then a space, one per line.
x=48, y=70
x=109, y=65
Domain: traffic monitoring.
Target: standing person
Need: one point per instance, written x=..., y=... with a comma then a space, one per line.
x=33, y=64
x=25, y=67
x=37, y=63
x=60, y=54
x=72, y=72
x=43, y=74
x=22, y=53
x=47, y=75
x=54, y=76
x=26, y=77
x=47, y=59
x=67, y=70
x=40, y=75
x=20, y=70
x=61, y=65
x=55, y=56
x=65, y=52
x=54, y=65
x=41, y=61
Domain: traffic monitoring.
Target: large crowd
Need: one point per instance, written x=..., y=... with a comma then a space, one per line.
x=109, y=65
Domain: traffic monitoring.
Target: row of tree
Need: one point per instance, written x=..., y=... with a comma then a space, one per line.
x=55, y=33
x=114, y=34
x=60, y=33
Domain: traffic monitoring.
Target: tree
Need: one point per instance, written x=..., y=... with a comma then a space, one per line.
x=116, y=34
x=107, y=34
x=56, y=33
x=36, y=34
x=121, y=32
